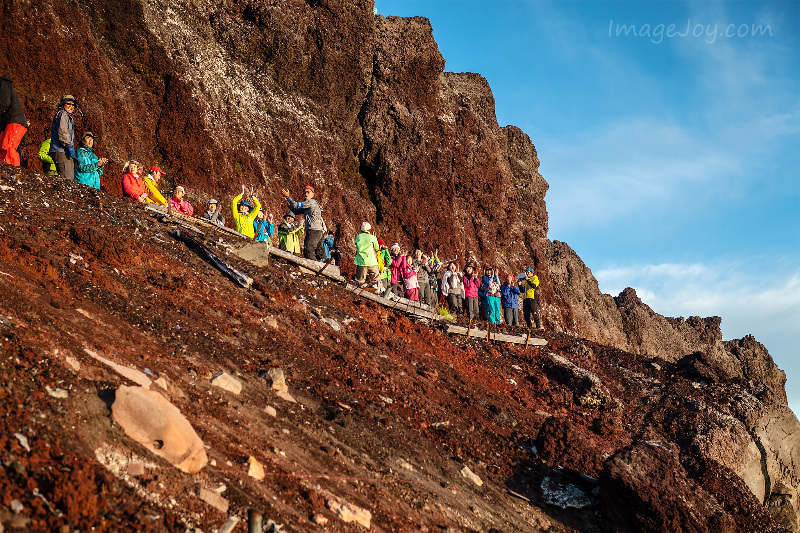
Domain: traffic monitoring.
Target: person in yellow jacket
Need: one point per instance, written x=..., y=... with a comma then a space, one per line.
x=529, y=286
x=48, y=165
x=154, y=196
x=244, y=214
x=289, y=234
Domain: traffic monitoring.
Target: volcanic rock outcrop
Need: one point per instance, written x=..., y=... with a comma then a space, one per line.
x=276, y=94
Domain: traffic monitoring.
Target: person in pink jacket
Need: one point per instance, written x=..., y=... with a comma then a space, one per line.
x=180, y=205
x=411, y=278
x=397, y=269
x=471, y=285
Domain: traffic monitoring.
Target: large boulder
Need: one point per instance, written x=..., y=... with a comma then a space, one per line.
x=152, y=421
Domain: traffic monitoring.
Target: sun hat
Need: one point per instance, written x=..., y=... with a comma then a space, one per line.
x=365, y=226
x=157, y=169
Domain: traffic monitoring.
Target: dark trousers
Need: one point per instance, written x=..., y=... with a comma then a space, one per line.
x=528, y=309
x=472, y=307
x=511, y=316
x=455, y=301
x=312, y=246
x=425, y=292
x=65, y=166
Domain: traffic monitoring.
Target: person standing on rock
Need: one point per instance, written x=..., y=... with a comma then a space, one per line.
x=366, y=259
x=384, y=264
x=529, y=286
x=314, y=227
x=244, y=214
x=13, y=123
x=490, y=290
x=424, y=273
x=89, y=167
x=62, y=138
x=510, y=292
x=263, y=227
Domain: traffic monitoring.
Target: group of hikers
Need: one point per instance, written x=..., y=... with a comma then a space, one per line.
x=411, y=274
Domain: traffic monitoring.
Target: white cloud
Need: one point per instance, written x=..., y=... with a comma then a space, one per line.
x=749, y=301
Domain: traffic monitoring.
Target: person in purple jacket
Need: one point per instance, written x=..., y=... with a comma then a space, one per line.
x=510, y=292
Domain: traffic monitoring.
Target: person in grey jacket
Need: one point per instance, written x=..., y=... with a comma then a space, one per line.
x=315, y=227
x=423, y=274
x=62, y=138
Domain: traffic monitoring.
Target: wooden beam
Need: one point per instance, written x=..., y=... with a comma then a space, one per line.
x=513, y=339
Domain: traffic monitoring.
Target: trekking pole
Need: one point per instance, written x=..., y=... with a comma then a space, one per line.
x=469, y=327
x=527, y=340
x=488, y=329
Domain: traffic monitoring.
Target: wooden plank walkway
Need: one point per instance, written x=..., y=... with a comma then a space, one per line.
x=501, y=337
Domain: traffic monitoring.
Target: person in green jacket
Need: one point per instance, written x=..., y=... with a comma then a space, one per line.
x=289, y=234
x=88, y=168
x=366, y=259
x=529, y=286
x=244, y=214
x=384, y=264
x=48, y=165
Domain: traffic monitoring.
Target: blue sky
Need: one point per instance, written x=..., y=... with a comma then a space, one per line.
x=672, y=153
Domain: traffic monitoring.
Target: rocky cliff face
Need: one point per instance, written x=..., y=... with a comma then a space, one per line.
x=282, y=93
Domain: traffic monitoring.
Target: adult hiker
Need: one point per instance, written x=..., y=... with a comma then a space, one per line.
x=471, y=287
x=411, y=278
x=244, y=213
x=366, y=259
x=510, y=292
x=263, y=228
x=396, y=286
x=89, y=168
x=529, y=301
x=314, y=227
x=424, y=273
x=132, y=182
x=13, y=123
x=62, y=138
x=151, y=184
x=289, y=234
x=453, y=288
x=48, y=165
x=213, y=213
x=490, y=290
x=178, y=204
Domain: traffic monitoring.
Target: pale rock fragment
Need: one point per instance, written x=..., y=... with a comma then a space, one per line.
x=348, y=512
x=270, y=411
x=255, y=470
x=227, y=382
x=275, y=379
x=472, y=476
x=56, y=393
x=151, y=420
x=213, y=499
x=140, y=378
x=285, y=396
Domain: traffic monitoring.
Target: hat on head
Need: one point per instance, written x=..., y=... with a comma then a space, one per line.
x=212, y=201
x=180, y=188
x=469, y=265
x=156, y=169
x=289, y=214
x=365, y=226
x=381, y=243
x=395, y=245
x=67, y=98
x=308, y=188
x=529, y=270
x=89, y=134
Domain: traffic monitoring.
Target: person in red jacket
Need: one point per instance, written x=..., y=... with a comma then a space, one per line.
x=179, y=204
x=132, y=182
x=13, y=124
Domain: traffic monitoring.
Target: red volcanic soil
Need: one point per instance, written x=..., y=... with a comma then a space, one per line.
x=389, y=410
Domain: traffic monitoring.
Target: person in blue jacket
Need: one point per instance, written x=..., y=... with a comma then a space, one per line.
x=510, y=300
x=62, y=138
x=263, y=228
x=88, y=167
